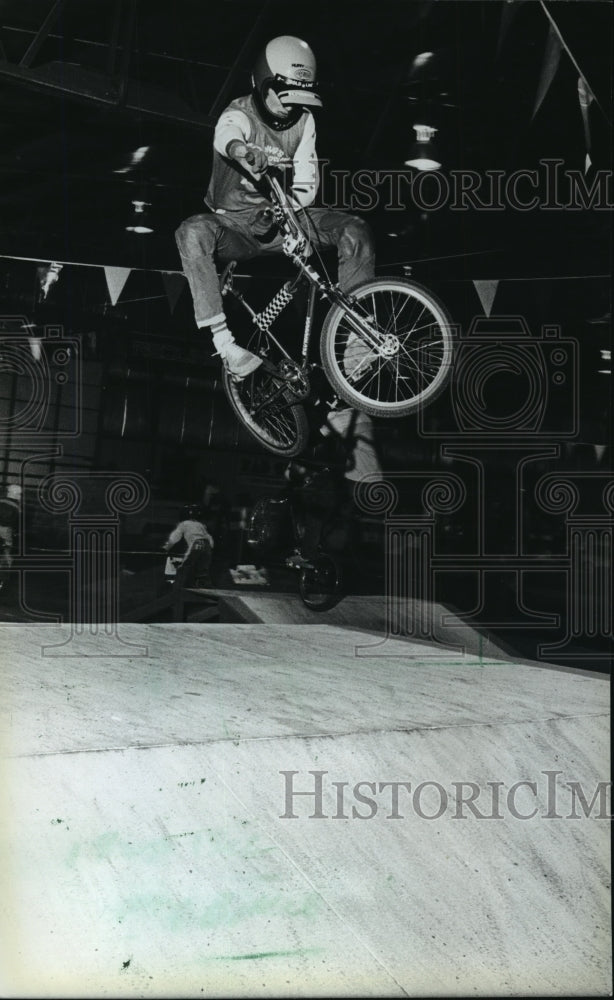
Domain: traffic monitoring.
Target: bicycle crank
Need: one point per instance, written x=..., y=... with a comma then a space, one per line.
x=295, y=379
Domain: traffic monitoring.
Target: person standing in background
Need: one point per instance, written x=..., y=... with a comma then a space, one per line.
x=10, y=510
x=194, y=568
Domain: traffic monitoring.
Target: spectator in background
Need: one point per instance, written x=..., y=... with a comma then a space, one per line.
x=194, y=569
x=10, y=508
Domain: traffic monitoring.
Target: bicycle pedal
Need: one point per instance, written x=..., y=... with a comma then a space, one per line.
x=298, y=562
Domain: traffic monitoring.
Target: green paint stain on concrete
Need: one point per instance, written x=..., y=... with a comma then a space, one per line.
x=252, y=896
x=223, y=910
x=112, y=847
x=264, y=954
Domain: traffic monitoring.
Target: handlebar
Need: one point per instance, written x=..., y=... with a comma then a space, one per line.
x=285, y=216
x=283, y=210
x=280, y=201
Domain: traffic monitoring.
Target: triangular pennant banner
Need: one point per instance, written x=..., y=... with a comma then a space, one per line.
x=552, y=57
x=116, y=279
x=547, y=11
x=585, y=97
x=173, y=286
x=36, y=347
x=486, y=291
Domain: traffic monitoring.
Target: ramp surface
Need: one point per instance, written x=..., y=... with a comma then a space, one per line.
x=398, y=617
x=217, y=816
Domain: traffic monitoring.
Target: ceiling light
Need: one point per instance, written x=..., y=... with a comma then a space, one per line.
x=140, y=222
x=135, y=158
x=423, y=154
x=421, y=60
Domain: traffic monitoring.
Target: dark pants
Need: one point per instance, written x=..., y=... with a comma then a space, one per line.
x=194, y=571
x=201, y=238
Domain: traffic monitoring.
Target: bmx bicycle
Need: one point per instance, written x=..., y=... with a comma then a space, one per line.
x=277, y=534
x=386, y=347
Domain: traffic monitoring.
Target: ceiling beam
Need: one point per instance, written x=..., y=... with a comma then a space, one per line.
x=90, y=87
x=127, y=51
x=42, y=34
x=239, y=65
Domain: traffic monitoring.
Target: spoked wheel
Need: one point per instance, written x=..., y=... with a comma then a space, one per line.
x=412, y=360
x=265, y=408
x=320, y=584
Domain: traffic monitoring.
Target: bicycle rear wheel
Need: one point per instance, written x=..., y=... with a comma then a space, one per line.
x=413, y=360
x=267, y=412
x=320, y=584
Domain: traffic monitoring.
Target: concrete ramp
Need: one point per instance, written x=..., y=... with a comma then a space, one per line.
x=397, y=618
x=249, y=810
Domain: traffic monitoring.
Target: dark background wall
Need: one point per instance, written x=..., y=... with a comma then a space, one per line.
x=140, y=390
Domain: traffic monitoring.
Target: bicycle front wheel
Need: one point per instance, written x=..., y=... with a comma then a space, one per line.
x=267, y=413
x=413, y=359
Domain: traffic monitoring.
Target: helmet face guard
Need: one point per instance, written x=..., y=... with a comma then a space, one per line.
x=292, y=92
x=287, y=66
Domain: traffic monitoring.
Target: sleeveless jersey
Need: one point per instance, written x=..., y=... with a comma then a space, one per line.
x=229, y=188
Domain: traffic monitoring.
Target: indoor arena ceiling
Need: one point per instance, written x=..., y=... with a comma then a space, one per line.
x=104, y=102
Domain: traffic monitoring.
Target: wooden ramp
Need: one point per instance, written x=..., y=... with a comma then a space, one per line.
x=211, y=811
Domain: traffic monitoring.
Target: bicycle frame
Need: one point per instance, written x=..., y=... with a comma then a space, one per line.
x=295, y=248
x=385, y=347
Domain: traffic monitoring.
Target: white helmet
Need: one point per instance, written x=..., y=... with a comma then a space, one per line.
x=286, y=65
